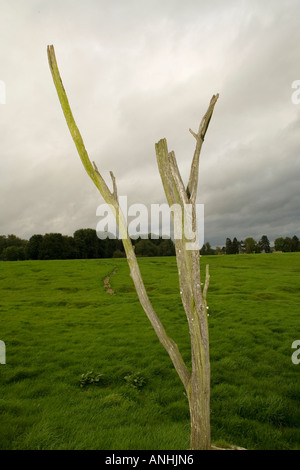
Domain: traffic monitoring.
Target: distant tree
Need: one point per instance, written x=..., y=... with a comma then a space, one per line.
x=70, y=250
x=14, y=253
x=264, y=244
x=154, y=239
x=108, y=244
x=87, y=243
x=10, y=240
x=166, y=248
x=13, y=240
x=145, y=248
x=33, y=247
x=287, y=244
x=207, y=250
x=2, y=244
x=251, y=245
x=228, y=246
x=283, y=244
x=112, y=245
x=235, y=246
x=279, y=244
x=295, y=244
x=118, y=254
x=257, y=248
x=52, y=246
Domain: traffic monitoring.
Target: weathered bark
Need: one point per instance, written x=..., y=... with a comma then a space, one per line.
x=196, y=382
x=193, y=300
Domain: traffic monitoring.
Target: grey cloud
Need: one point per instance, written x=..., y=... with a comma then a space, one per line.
x=136, y=72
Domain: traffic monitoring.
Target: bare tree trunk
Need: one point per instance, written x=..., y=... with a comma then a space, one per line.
x=196, y=382
x=193, y=298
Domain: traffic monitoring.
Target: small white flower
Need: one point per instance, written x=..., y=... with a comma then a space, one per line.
x=207, y=308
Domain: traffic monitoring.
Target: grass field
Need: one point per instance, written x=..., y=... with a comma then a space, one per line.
x=58, y=323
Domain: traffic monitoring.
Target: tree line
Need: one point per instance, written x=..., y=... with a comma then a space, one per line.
x=249, y=245
x=84, y=244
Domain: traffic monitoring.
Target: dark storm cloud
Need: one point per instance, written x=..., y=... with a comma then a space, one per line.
x=136, y=72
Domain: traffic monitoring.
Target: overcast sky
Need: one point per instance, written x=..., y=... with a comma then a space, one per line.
x=136, y=71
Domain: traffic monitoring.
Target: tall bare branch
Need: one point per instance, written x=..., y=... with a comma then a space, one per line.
x=194, y=173
x=111, y=198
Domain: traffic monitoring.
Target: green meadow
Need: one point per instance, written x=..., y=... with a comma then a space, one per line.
x=58, y=323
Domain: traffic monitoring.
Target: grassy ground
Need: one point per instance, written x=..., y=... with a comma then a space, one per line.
x=58, y=322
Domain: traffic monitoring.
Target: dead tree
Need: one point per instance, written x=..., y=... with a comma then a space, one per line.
x=197, y=380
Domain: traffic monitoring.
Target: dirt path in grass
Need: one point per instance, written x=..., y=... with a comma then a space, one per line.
x=106, y=282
